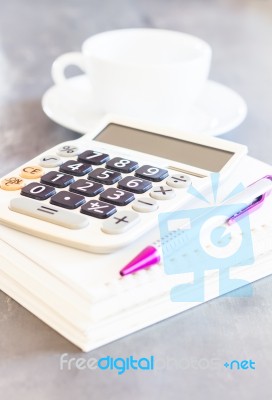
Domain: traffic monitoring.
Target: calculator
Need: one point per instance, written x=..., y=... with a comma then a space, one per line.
x=104, y=190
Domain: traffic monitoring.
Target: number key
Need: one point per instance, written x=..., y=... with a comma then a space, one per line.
x=86, y=188
x=135, y=185
x=57, y=179
x=153, y=174
x=38, y=191
x=117, y=196
x=104, y=176
x=122, y=165
x=75, y=168
x=93, y=157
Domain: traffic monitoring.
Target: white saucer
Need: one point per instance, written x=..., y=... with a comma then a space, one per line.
x=218, y=110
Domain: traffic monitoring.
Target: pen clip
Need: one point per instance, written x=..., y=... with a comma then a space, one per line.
x=252, y=207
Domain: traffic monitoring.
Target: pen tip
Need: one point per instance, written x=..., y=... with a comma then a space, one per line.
x=146, y=258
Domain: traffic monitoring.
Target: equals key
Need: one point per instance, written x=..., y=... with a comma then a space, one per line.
x=54, y=215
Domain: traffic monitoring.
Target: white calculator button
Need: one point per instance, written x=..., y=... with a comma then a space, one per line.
x=68, y=150
x=36, y=209
x=50, y=161
x=145, y=204
x=121, y=222
x=179, y=181
x=162, y=193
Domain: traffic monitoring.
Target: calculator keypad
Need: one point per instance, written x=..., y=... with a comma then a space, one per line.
x=122, y=165
x=135, y=185
x=86, y=188
x=117, y=197
x=38, y=191
x=75, y=168
x=98, y=209
x=151, y=173
x=105, y=176
x=94, y=184
x=57, y=179
x=67, y=199
x=93, y=157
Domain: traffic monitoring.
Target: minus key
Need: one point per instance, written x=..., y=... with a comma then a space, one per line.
x=145, y=205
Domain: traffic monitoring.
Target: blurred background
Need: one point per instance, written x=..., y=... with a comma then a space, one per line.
x=32, y=34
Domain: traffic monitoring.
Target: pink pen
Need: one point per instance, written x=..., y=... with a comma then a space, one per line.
x=253, y=195
x=149, y=256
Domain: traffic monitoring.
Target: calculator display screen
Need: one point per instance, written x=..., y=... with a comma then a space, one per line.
x=183, y=151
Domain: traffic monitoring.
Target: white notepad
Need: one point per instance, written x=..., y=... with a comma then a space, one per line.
x=82, y=296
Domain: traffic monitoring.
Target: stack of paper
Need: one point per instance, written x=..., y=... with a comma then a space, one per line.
x=82, y=296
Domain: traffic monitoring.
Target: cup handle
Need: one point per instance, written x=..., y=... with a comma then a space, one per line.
x=62, y=62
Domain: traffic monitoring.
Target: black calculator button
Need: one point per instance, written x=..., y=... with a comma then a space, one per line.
x=117, y=196
x=75, y=168
x=122, y=165
x=105, y=176
x=67, y=200
x=86, y=188
x=151, y=173
x=98, y=209
x=57, y=179
x=135, y=185
x=38, y=191
x=93, y=157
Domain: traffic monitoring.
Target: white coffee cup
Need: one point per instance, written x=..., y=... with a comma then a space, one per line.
x=146, y=73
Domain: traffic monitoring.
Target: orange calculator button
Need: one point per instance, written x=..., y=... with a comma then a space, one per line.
x=12, y=183
x=31, y=172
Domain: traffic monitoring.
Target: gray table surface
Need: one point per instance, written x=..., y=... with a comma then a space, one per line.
x=32, y=34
